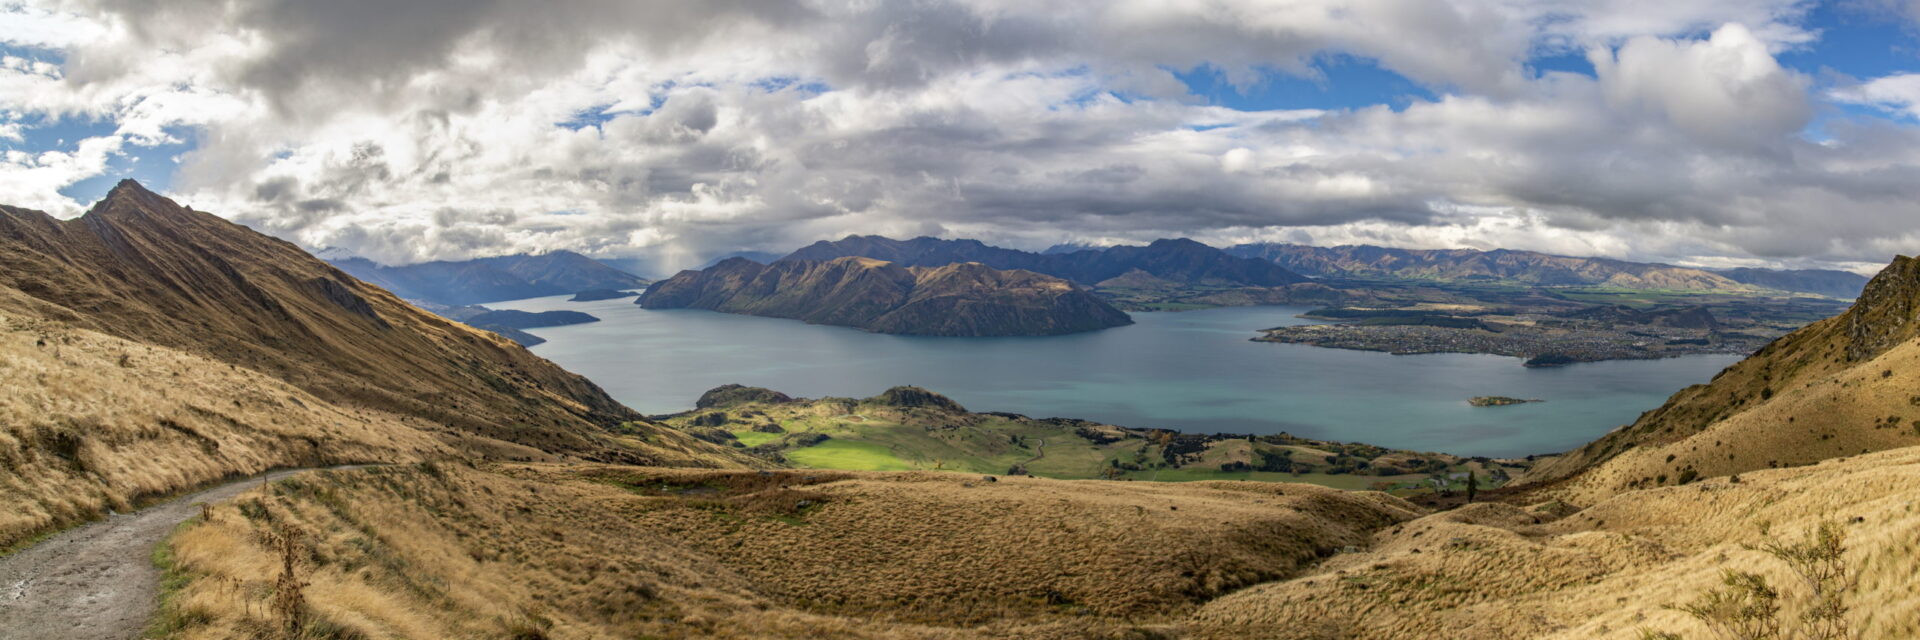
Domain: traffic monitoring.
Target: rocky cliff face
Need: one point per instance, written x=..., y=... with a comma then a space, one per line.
x=966, y=299
x=1886, y=312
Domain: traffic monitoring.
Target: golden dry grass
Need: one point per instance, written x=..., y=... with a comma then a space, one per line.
x=593, y=551
x=1488, y=571
x=90, y=422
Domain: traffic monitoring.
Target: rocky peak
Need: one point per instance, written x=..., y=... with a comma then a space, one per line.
x=1886, y=312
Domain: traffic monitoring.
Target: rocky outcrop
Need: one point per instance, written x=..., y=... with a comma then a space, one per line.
x=907, y=397
x=968, y=299
x=1886, y=312
x=728, y=395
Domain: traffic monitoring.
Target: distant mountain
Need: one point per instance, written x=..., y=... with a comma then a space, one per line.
x=1070, y=247
x=1180, y=261
x=1533, y=268
x=762, y=257
x=492, y=279
x=963, y=299
x=1826, y=282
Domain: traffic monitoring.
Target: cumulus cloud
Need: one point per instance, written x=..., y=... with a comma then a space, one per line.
x=673, y=131
x=1899, y=93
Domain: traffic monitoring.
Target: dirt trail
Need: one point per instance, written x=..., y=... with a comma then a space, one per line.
x=97, y=581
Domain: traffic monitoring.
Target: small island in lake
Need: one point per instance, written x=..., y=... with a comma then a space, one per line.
x=1497, y=401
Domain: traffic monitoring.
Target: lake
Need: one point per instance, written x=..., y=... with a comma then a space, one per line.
x=1192, y=371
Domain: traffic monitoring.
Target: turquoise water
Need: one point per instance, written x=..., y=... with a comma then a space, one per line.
x=1192, y=371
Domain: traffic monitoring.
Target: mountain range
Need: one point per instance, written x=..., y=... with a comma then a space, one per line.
x=960, y=299
x=492, y=279
x=1179, y=261
x=1533, y=268
x=148, y=348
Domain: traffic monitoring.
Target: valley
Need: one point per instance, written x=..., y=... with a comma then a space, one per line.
x=494, y=494
x=960, y=320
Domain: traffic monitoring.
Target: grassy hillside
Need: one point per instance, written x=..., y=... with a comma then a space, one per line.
x=148, y=348
x=1610, y=571
x=437, y=551
x=911, y=428
x=1841, y=386
x=90, y=422
x=146, y=269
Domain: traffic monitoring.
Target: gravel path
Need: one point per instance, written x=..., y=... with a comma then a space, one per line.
x=97, y=581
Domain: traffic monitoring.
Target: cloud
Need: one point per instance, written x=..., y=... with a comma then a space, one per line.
x=1898, y=93
x=673, y=131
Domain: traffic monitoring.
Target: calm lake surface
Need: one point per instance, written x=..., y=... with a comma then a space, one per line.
x=1192, y=371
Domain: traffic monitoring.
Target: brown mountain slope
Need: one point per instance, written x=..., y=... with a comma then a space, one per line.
x=966, y=299
x=1842, y=386
x=265, y=357
x=143, y=268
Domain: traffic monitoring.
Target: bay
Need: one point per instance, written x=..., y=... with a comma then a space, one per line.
x=1194, y=371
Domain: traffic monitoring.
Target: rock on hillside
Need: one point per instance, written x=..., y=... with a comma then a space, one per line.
x=954, y=300
x=1841, y=386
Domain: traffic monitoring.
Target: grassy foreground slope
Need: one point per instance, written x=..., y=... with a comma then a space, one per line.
x=913, y=428
x=1610, y=571
x=589, y=551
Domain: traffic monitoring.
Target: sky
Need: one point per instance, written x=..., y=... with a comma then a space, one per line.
x=1709, y=133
